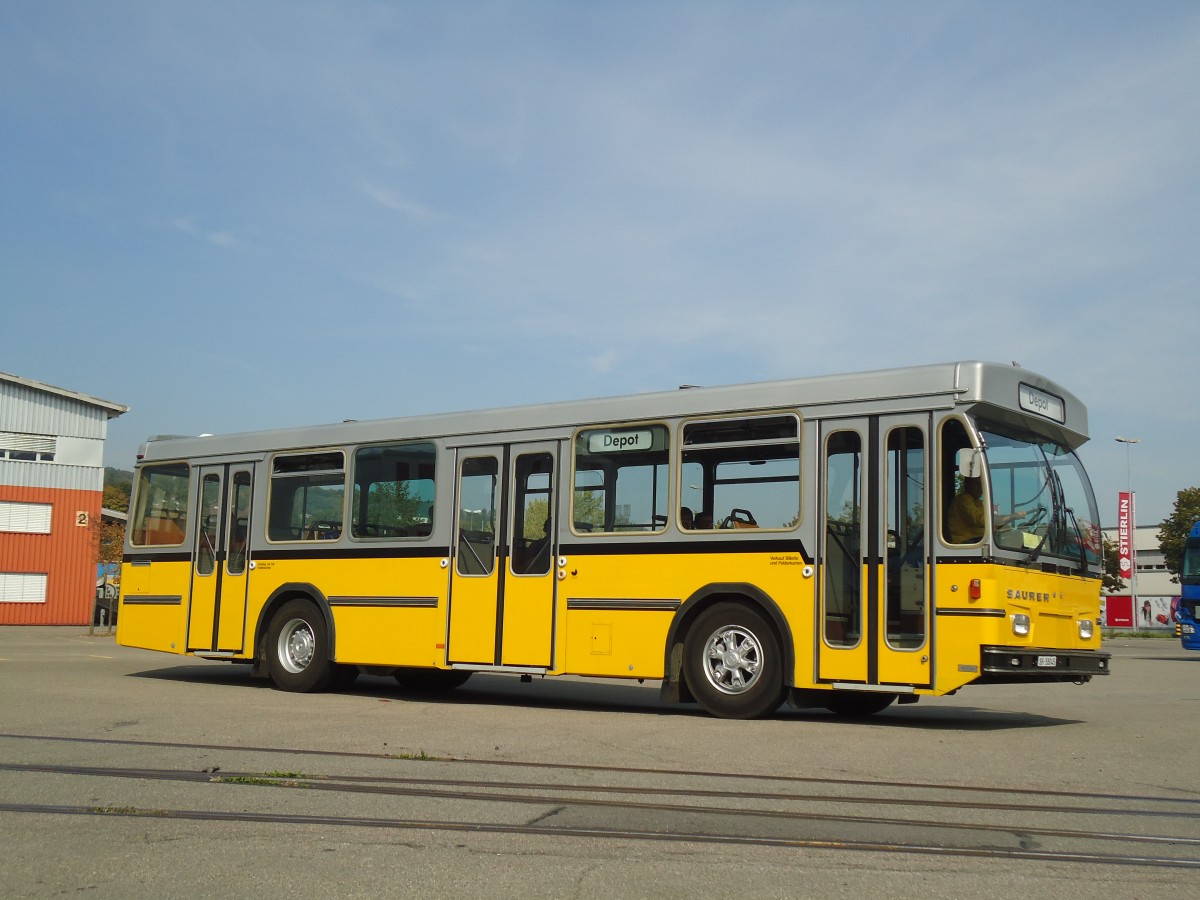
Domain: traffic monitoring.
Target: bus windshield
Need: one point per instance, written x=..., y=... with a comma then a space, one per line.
x=1042, y=501
x=1190, y=570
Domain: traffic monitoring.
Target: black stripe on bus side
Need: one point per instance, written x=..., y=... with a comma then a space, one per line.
x=635, y=548
x=152, y=600
x=146, y=557
x=641, y=605
x=388, y=602
x=978, y=613
x=353, y=552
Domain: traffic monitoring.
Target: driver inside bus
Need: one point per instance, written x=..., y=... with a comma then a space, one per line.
x=966, y=518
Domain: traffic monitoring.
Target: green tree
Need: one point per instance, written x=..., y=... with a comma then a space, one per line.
x=390, y=505
x=1113, y=583
x=589, y=509
x=1172, y=531
x=537, y=514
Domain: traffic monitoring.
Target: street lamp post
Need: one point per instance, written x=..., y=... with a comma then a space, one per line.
x=1128, y=442
x=1128, y=465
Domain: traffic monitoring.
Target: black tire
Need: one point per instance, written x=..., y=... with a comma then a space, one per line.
x=733, y=662
x=431, y=679
x=856, y=705
x=298, y=649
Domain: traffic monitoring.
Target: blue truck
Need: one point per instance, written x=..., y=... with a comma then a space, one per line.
x=1189, y=597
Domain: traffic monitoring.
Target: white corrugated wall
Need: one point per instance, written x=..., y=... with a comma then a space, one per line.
x=30, y=411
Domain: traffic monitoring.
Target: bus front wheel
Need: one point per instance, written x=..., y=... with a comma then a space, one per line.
x=298, y=649
x=733, y=662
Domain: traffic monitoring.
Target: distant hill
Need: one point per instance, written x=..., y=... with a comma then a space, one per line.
x=118, y=478
x=118, y=485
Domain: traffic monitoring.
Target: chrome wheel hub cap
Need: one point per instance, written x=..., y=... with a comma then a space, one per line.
x=732, y=660
x=297, y=644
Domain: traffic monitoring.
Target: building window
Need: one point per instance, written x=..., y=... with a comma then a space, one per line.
x=25, y=518
x=22, y=587
x=27, y=447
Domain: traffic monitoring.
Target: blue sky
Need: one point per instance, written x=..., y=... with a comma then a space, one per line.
x=233, y=215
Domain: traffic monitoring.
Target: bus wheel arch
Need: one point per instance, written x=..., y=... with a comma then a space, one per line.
x=750, y=618
x=295, y=645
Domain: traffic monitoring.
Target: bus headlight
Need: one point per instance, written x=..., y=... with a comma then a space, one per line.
x=1020, y=624
x=1086, y=629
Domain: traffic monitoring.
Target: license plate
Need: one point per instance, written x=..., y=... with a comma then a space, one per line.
x=1047, y=662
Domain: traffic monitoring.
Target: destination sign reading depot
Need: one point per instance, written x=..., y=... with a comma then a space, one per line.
x=1035, y=401
x=620, y=441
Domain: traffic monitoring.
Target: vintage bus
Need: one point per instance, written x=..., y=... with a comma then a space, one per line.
x=838, y=542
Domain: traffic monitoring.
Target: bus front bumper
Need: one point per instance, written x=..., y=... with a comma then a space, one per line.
x=1025, y=665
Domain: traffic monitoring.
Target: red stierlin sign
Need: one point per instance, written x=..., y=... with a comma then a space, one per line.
x=1125, y=549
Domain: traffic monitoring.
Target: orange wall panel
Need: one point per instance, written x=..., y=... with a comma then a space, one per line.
x=67, y=556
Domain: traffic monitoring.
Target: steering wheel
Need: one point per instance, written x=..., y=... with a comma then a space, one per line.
x=1034, y=518
x=739, y=518
x=324, y=531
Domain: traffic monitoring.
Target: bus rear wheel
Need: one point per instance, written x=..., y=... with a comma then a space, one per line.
x=298, y=649
x=733, y=662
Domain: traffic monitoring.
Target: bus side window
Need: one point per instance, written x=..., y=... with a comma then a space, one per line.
x=307, y=497
x=621, y=479
x=954, y=439
x=746, y=472
x=160, y=505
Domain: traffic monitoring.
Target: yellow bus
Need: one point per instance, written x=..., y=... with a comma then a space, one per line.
x=840, y=542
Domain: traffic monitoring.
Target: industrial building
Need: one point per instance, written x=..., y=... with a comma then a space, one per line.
x=51, y=486
x=1148, y=603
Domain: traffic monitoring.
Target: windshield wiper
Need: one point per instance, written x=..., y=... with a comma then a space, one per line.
x=1057, y=504
x=1079, y=536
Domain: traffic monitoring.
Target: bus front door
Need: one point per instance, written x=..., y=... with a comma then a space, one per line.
x=503, y=579
x=217, y=603
x=874, y=565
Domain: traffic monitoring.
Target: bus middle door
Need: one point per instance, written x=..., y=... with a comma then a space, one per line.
x=502, y=585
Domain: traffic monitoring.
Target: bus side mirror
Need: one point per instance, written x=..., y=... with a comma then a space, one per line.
x=970, y=463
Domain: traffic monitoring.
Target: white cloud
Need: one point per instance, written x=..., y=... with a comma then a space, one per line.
x=221, y=238
x=392, y=200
